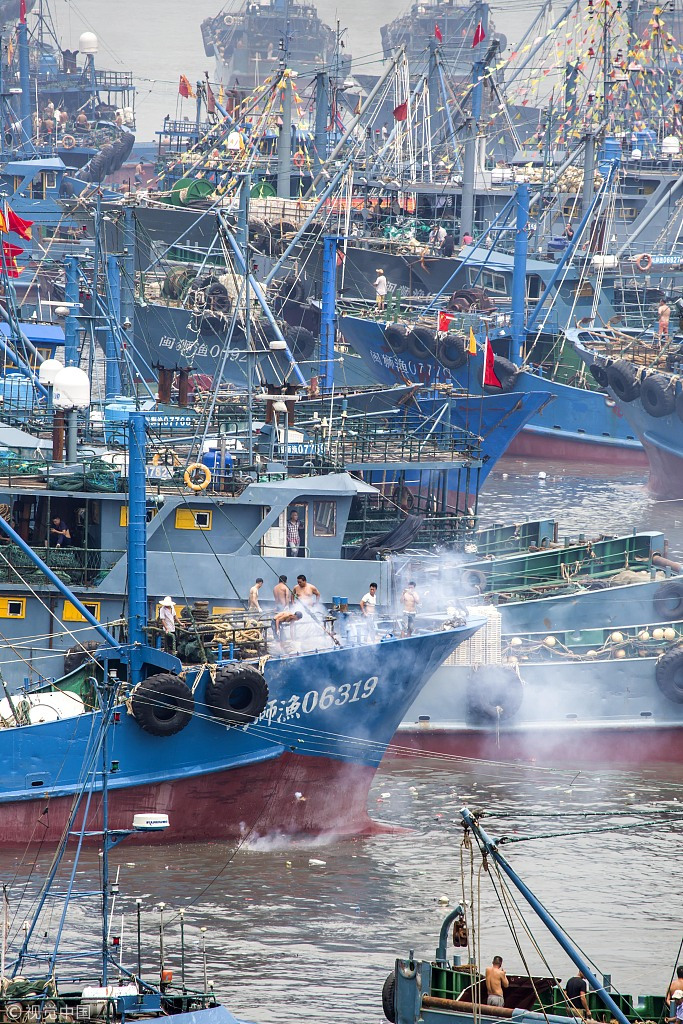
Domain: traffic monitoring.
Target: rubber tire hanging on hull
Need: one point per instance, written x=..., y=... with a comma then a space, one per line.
x=494, y=692
x=396, y=339
x=668, y=601
x=599, y=374
x=452, y=351
x=622, y=378
x=162, y=704
x=389, y=998
x=669, y=674
x=506, y=372
x=80, y=655
x=238, y=694
x=422, y=343
x=657, y=395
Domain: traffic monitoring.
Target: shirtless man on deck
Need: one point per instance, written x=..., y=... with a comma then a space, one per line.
x=305, y=592
x=496, y=981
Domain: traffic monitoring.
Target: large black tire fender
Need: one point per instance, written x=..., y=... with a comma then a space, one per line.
x=599, y=374
x=162, y=704
x=452, y=351
x=506, y=372
x=389, y=998
x=669, y=674
x=422, y=342
x=218, y=298
x=238, y=694
x=657, y=395
x=474, y=580
x=291, y=289
x=668, y=601
x=494, y=692
x=622, y=377
x=79, y=655
x=396, y=339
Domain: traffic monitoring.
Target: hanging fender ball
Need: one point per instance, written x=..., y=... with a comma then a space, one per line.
x=494, y=692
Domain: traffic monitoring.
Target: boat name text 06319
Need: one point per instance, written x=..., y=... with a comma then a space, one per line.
x=285, y=709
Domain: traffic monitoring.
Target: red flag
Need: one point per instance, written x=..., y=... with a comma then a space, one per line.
x=10, y=253
x=210, y=100
x=490, y=379
x=444, y=322
x=17, y=224
x=479, y=35
x=401, y=111
x=437, y=34
x=22, y=11
x=184, y=87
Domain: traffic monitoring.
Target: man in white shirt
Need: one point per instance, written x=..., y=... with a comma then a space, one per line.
x=168, y=619
x=380, y=289
x=368, y=607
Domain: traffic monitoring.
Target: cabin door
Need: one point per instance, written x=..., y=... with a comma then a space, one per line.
x=274, y=540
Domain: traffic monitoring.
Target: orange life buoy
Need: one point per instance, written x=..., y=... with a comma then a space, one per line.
x=298, y=159
x=644, y=261
x=68, y=142
x=188, y=476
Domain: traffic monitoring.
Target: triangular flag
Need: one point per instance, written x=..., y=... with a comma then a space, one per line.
x=479, y=35
x=472, y=347
x=437, y=34
x=17, y=224
x=210, y=100
x=490, y=379
x=185, y=89
x=10, y=253
x=401, y=111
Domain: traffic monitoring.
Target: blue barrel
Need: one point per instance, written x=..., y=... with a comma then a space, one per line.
x=611, y=149
x=212, y=459
x=646, y=142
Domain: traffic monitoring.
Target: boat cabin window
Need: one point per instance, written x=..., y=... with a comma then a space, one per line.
x=71, y=614
x=626, y=213
x=49, y=179
x=123, y=514
x=534, y=286
x=494, y=283
x=12, y=607
x=193, y=519
x=572, y=208
x=324, y=518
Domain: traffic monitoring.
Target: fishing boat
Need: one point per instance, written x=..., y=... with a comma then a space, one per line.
x=248, y=38
x=282, y=744
x=48, y=969
x=641, y=377
x=594, y=696
x=453, y=988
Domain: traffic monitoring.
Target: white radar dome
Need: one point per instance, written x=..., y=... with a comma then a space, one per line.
x=88, y=43
x=670, y=146
x=48, y=370
x=71, y=389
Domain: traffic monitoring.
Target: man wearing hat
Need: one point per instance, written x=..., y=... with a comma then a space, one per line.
x=676, y=1005
x=168, y=619
x=380, y=289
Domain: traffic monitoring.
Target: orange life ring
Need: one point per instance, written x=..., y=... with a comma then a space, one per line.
x=188, y=476
x=68, y=142
x=298, y=159
x=644, y=261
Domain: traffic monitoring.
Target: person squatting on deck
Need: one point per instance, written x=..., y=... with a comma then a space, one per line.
x=496, y=981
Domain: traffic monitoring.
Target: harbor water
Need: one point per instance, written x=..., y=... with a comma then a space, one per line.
x=308, y=931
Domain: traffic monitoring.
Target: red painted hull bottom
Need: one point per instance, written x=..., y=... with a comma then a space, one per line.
x=291, y=795
x=530, y=445
x=666, y=473
x=549, y=747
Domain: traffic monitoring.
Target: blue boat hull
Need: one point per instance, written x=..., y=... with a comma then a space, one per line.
x=305, y=766
x=577, y=423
